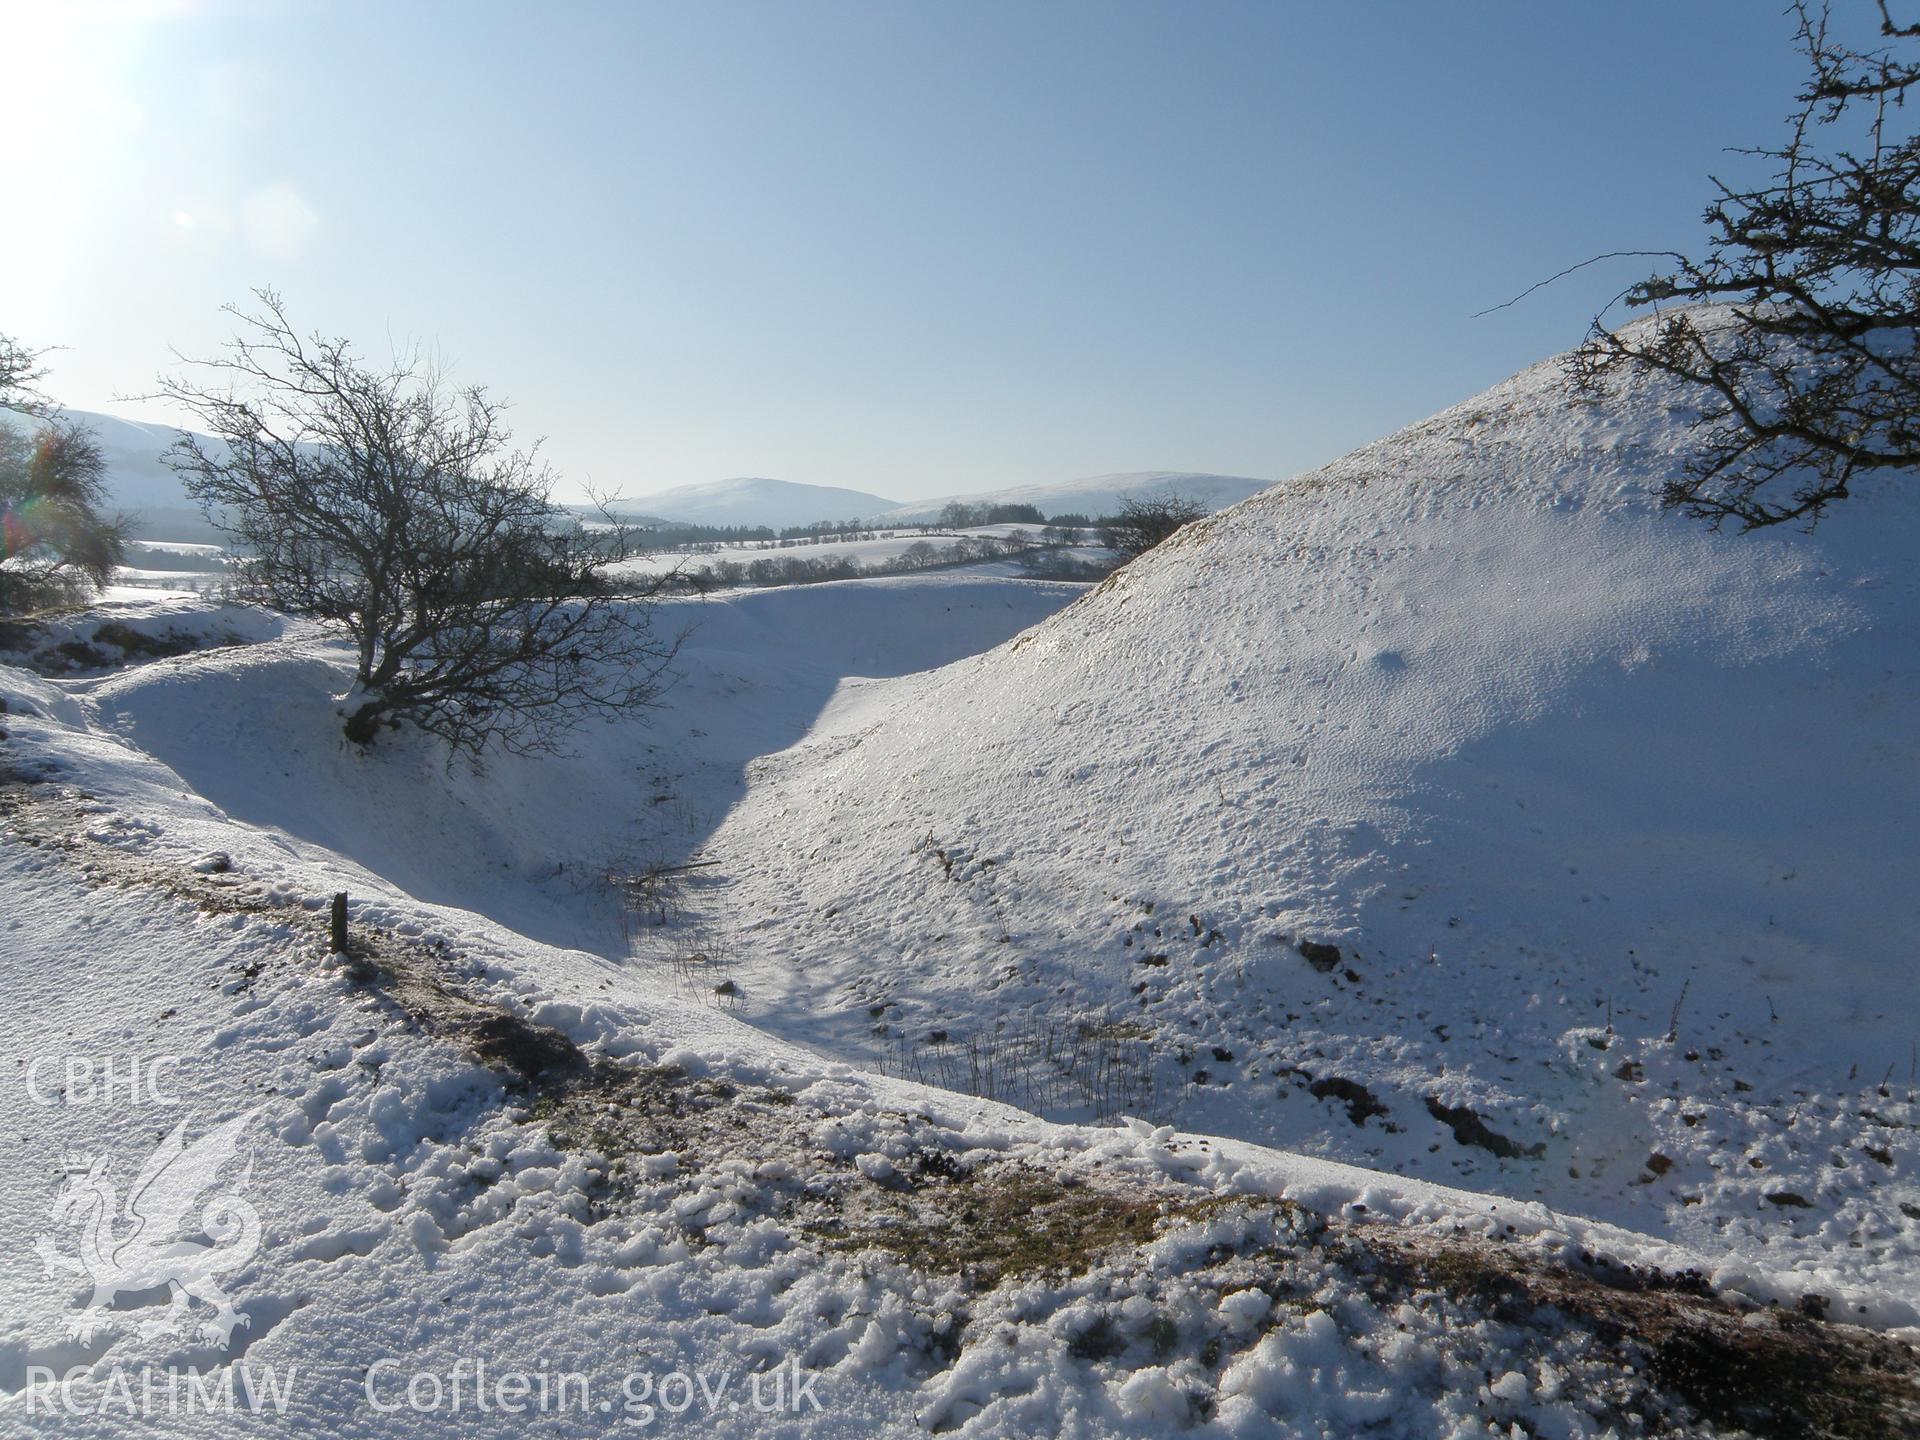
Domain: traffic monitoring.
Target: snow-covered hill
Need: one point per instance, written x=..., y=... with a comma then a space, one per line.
x=1453, y=809
x=1093, y=497
x=755, y=500
x=138, y=482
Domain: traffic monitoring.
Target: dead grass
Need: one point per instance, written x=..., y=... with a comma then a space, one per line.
x=111, y=645
x=1001, y=1222
x=1776, y=1373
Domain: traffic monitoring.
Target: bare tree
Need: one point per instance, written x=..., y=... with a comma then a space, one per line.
x=956, y=515
x=1145, y=520
x=19, y=372
x=386, y=502
x=1810, y=378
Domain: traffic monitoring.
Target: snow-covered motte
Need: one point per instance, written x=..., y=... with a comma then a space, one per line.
x=1453, y=809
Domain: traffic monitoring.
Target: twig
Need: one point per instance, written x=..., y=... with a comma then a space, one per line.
x=1673, y=1025
x=1571, y=269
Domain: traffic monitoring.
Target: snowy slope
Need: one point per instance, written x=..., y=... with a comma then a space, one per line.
x=1093, y=496
x=758, y=501
x=255, y=732
x=137, y=480
x=1560, y=774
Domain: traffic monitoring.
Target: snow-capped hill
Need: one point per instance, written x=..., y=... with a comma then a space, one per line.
x=1574, y=803
x=755, y=500
x=138, y=480
x=1094, y=496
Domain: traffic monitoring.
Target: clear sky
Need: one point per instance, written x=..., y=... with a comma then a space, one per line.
x=904, y=247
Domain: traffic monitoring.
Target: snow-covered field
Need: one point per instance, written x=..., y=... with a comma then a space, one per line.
x=192, y=567
x=885, y=548
x=946, y=1084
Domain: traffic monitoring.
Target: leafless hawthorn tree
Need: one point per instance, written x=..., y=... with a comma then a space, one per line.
x=1144, y=521
x=382, y=500
x=19, y=371
x=1811, y=378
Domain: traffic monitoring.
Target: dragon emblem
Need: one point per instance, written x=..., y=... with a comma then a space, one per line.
x=153, y=1244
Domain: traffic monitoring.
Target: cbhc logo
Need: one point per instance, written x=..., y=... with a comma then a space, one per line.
x=101, y=1080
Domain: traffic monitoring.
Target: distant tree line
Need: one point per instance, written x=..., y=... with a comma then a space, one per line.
x=1142, y=523
x=958, y=515
x=672, y=535
x=676, y=535
x=795, y=569
x=830, y=529
x=1138, y=525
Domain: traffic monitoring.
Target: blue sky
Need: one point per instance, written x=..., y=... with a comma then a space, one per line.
x=907, y=248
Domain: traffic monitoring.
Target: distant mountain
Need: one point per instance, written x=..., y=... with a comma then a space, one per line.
x=1094, y=496
x=140, y=484
x=758, y=501
x=138, y=481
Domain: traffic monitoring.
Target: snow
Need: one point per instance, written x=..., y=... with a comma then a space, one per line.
x=1462, y=705
x=885, y=547
x=418, y=1218
x=256, y=734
